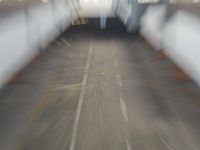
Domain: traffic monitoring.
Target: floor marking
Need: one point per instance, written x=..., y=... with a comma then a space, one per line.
x=166, y=144
x=116, y=63
x=119, y=80
x=128, y=146
x=123, y=109
x=81, y=98
x=113, y=52
x=122, y=102
x=66, y=42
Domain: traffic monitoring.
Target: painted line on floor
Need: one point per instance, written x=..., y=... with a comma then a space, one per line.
x=116, y=63
x=81, y=98
x=122, y=102
x=66, y=42
x=123, y=109
x=113, y=52
x=128, y=145
x=166, y=144
x=119, y=80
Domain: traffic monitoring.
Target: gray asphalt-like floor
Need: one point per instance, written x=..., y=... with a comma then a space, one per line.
x=98, y=91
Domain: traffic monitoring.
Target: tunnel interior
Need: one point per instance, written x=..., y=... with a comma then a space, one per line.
x=78, y=86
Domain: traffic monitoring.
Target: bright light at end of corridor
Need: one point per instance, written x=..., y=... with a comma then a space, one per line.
x=148, y=1
x=90, y=1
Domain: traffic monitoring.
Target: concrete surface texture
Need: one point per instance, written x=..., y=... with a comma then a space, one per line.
x=98, y=90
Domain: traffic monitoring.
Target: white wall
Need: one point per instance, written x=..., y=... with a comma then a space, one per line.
x=182, y=39
x=151, y=25
x=179, y=37
x=13, y=46
x=20, y=37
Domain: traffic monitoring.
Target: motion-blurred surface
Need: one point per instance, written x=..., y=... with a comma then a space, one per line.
x=99, y=75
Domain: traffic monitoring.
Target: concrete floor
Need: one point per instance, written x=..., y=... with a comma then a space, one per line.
x=98, y=90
